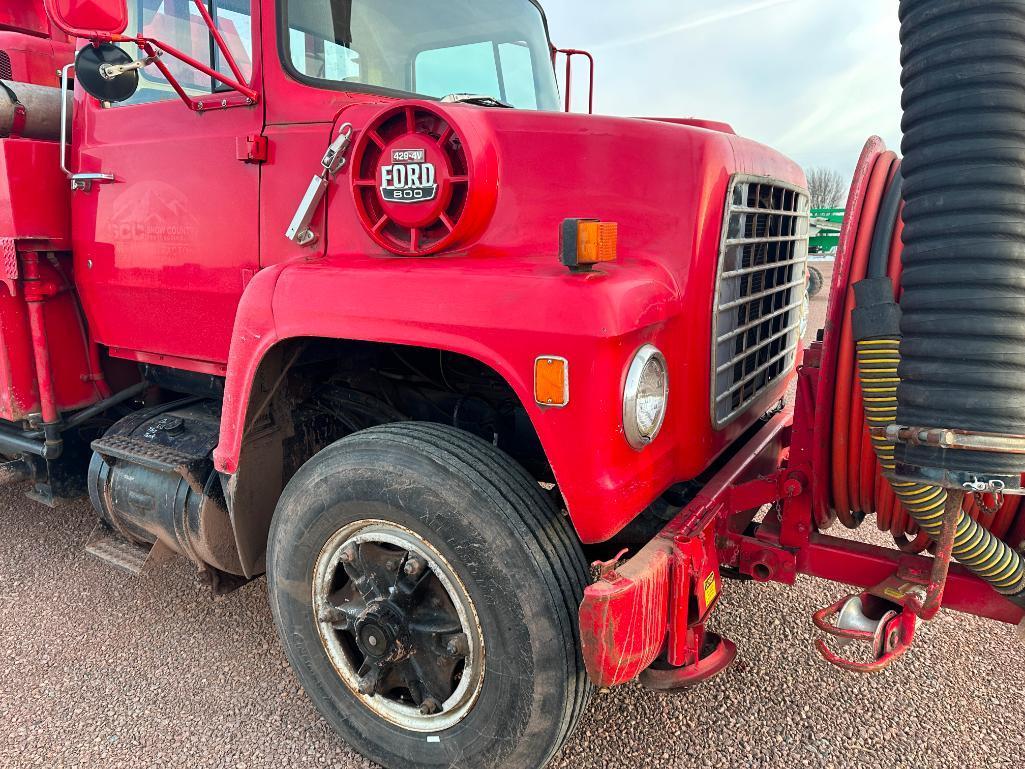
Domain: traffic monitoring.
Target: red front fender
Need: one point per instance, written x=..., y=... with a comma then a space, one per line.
x=497, y=318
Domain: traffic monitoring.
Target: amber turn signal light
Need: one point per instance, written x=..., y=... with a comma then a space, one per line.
x=551, y=381
x=586, y=242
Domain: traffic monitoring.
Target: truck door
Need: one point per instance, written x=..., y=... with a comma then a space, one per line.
x=163, y=252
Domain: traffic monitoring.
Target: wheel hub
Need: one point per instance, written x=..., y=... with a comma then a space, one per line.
x=398, y=626
x=382, y=633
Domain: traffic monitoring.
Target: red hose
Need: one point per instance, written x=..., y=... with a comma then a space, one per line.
x=849, y=485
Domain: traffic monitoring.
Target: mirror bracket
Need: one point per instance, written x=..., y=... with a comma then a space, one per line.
x=238, y=95
x=570, y=53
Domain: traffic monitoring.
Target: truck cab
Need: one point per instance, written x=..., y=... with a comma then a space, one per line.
x=338, y=294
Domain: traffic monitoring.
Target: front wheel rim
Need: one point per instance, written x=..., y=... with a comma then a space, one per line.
x=398, y=625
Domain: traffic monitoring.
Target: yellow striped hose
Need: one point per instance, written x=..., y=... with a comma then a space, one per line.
x=974, y=546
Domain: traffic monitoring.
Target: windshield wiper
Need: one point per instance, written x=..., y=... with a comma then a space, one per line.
x=481, y=100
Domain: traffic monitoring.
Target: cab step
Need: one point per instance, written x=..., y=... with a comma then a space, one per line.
x=109, y=546
x=172, y=460
x=156, y=456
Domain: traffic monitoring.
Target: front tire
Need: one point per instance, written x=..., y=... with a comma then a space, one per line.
x=425, y=590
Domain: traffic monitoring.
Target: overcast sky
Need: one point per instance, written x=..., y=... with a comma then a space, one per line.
x=811, y=78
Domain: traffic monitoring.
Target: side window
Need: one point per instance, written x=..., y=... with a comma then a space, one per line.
x=178, y=23
x=314, y=56
x=459, y=69
x=233, y=19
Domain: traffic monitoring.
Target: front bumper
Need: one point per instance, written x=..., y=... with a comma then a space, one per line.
x=655, y=604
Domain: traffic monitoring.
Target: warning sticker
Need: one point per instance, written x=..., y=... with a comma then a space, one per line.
x=711, y=589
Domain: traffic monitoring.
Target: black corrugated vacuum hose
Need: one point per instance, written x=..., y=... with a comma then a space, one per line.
x=876, y=321
x=963, y=302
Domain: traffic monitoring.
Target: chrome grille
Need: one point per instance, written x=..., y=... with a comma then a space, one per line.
x=6, y=72
x=759, y=294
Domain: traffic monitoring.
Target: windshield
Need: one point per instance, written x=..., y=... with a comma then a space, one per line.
x=435, y=48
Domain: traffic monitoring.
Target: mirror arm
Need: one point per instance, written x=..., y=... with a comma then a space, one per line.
x=149, y=47
x=112, y=71
x=145, y=46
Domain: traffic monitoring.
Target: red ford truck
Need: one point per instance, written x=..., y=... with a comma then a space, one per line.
x=336, y=292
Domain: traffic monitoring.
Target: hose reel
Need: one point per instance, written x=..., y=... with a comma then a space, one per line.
x=931, y=434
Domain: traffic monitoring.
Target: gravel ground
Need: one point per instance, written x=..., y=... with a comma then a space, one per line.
x=103, y=670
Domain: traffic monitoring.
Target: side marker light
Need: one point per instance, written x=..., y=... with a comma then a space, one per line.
x=551, y=381
x=586, y=242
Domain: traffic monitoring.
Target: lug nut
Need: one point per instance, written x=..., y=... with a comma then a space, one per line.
x=391, y=564
x=457, y=645
x=331, y=614
x=413, y=567
x=429, y=707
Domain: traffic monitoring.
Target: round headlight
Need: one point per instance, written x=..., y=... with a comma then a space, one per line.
x=645, y=396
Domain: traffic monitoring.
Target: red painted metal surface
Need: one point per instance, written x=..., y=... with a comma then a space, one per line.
x=861, y=565
x=711, y=125
x=624, y=617
x=33, y=192
x=35, y=59
x=37, y=291
x=87, y=18
x=26, y=18
x=46, y=359
x=70, y=377
x=163, y=254
x=36, y=51
x=890, y=640
x=623, y=620
x=711, y=653
x=240, y=93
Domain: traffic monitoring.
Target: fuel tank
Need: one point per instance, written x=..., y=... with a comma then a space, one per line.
x=151, y=478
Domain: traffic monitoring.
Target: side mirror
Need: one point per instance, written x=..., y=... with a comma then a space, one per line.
x=93, y=19
x=106, y=72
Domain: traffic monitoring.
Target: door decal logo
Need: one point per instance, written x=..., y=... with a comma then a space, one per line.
x=409, y=178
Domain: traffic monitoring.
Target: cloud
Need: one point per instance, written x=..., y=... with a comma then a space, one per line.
x=813, y=80
x=702, y=21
